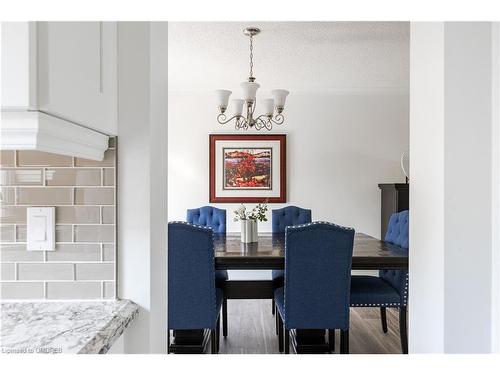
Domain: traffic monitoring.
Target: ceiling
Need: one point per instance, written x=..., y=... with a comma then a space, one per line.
x=299, y=56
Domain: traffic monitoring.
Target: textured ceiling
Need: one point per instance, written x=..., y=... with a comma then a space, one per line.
x=294, y=55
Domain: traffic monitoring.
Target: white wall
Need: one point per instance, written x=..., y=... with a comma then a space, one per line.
x=451, y=201
x=340, y=145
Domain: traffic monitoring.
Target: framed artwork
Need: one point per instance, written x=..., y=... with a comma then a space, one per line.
x=247, y=168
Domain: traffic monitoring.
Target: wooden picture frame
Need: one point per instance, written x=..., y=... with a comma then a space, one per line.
x=247, y=168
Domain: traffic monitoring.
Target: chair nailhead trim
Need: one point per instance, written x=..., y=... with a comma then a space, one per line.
x=318, y=222
x=375, y=304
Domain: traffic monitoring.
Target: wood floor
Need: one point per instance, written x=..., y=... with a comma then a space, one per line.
x=251, y=330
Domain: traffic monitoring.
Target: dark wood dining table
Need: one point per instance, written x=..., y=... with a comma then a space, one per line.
x=369, y=253
x=268, y=253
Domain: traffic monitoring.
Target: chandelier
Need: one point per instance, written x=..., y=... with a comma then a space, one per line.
x=272, y=107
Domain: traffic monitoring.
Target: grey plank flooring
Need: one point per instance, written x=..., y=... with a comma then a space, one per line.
x=251, y=330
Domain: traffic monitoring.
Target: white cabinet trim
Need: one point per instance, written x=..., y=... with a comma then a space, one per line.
x=34, y=130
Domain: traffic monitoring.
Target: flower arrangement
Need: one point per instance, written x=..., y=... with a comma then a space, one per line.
x=258, y=213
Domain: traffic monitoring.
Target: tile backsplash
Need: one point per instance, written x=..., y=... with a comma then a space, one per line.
x=84, y=195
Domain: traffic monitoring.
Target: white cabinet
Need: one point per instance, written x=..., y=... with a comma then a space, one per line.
x=59, y=87
x=18, y=66
x=77, y=72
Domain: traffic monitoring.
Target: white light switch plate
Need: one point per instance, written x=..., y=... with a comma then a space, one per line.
x=41, y=228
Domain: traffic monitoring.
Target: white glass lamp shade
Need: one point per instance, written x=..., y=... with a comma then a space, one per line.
x=280, y=97
x=237, y=105
x=268, y=106
x=249, y=90
x=222, y=97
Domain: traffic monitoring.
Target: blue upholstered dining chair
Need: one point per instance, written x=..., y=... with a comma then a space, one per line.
x=194, y=302
x=208, y=216
x=214, y=218
x=318, y=259
x=390, y=288
x=281, y=218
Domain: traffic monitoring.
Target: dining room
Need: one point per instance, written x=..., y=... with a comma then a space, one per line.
x=316, y=141
x=246, y=187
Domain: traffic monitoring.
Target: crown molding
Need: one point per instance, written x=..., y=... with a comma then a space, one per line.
x=34, y=130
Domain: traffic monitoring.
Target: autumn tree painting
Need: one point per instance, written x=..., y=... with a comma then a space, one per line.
x=247, y=168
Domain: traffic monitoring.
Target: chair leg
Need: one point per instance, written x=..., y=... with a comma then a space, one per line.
x=213, y=341
x=331, y=340
x=344, y=341
x=383, y=318
x=277, y=323
x=280, y=332
x=273, y=307
x=168, y=340
x=287, y=341
x=224, y=317
x=218, y=334
x=403, y=329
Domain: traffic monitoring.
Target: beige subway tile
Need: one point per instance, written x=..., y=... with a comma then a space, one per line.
x=94, y=233
x=109, y=177
x=73, y=290
x=7, y=195
x=21, y=290
x=7, y=158
x=78, y=215
x=12, y=215
x=108, y=252
x=44, y=196
x=64, y=233
x=43, y=159
x=112, y=142
x=21, y=233
x=45, y=271
x=7, y=271
x=73, y=177
x=21, y=177
x=95, y=195
x=108, y=215
x=18, y=253
x=109, y=290
x=7, y=233
x=108, y=161
x=75, y=252
x=95, y=271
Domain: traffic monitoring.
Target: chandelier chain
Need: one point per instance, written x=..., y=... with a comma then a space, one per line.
x=251, y=56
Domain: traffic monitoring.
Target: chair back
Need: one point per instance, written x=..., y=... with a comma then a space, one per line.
x=208, y=216
x=398, y=229
x=191, y=277
x=398, y=234
x=318, y=259
x=290, y=215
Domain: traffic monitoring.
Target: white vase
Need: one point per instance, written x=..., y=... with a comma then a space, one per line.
x=249, y=232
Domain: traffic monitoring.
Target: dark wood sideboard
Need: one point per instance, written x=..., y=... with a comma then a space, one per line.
x=395, y=198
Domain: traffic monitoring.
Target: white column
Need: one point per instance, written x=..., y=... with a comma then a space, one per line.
x=142, y=188
x=158, y=185
x=426, y=317
x=451, y=197
x=468, y=190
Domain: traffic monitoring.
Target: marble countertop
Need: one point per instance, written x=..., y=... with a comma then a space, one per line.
x=63, y=326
